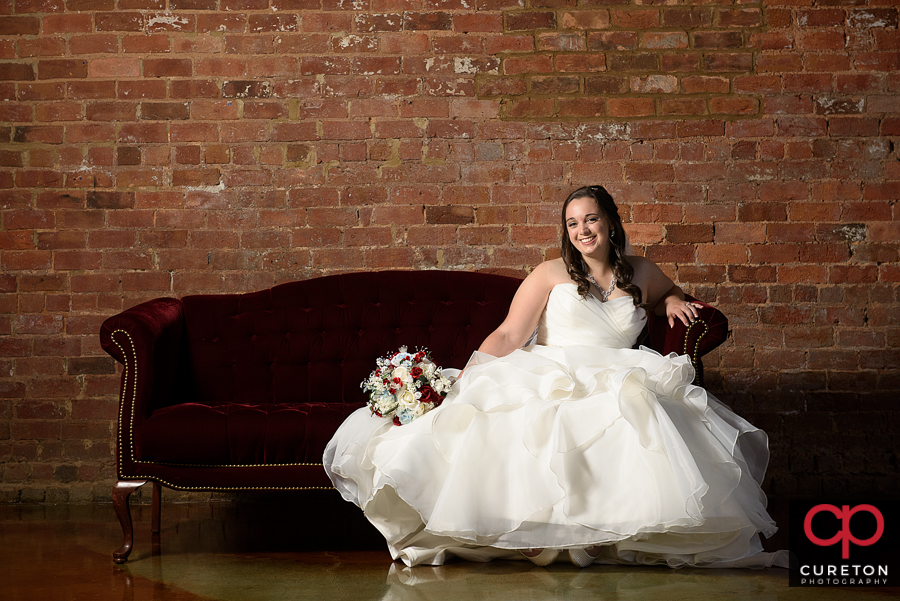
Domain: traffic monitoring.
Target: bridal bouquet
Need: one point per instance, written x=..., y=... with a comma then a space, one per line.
x=405, y=386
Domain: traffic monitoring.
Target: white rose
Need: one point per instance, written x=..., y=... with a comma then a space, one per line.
x=401, y=372
x=407, y=399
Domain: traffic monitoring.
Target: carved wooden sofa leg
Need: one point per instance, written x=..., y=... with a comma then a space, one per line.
x=121, y=491
x=155, y=508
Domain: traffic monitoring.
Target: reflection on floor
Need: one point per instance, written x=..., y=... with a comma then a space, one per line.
x=314, y=546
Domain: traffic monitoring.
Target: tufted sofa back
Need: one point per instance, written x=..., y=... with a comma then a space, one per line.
x=314, y=341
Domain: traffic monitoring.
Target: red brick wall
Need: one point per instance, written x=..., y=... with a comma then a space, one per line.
x=152, y=148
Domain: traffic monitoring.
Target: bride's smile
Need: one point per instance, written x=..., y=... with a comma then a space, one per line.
x=588, y=228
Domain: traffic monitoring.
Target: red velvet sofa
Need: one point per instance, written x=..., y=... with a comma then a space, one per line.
x=239, y=392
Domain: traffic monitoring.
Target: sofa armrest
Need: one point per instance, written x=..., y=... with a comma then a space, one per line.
x=146, y=340
x=707, y=332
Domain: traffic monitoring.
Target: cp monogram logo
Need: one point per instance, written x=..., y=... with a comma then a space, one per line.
x=844, y=514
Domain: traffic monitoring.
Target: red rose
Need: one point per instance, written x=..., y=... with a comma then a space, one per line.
x=415, y=372
x=396, y=421
x=430, y=396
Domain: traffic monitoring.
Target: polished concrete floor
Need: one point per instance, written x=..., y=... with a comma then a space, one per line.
x=291, y=548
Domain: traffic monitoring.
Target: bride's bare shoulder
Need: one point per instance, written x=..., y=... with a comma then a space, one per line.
x=643, y=267
x=551, y=272
x=637, y=261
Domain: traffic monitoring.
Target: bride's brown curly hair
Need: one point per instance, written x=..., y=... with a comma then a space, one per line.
x=573, y=259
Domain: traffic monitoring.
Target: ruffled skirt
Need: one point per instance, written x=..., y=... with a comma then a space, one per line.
x=559, y=448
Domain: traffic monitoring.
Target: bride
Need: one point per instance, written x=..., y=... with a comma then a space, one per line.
x=578, y=445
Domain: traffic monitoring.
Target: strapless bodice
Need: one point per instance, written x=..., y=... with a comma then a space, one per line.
x=570, y=320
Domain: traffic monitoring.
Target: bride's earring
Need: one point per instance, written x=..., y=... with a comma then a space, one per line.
x=612, y=233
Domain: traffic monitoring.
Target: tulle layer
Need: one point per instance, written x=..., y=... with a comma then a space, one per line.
x=563, y=447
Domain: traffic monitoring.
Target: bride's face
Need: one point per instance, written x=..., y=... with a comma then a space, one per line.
x=587, y=226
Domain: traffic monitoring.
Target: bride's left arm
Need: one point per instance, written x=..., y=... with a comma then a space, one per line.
x=664, y=295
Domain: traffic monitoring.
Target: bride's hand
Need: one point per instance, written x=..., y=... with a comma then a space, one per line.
x=682, y=310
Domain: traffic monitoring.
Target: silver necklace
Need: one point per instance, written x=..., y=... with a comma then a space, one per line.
x=604, y=294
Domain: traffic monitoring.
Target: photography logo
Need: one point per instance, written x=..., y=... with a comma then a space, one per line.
x=844, y=543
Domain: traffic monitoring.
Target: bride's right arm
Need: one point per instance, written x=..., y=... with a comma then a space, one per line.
x=524, y=312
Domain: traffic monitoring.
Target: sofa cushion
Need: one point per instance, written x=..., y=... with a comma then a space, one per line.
x=228, y=434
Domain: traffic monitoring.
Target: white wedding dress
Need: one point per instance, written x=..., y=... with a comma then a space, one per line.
x=577, y=440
